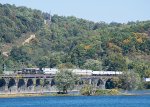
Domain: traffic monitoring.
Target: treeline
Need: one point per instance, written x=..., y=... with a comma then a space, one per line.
x=73, y=43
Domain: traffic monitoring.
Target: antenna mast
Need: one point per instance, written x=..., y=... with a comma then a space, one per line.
x=50, y=18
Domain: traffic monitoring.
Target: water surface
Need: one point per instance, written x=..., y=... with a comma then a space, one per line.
x=78, y=101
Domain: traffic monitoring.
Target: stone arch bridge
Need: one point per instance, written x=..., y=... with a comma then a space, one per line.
x=28, y=83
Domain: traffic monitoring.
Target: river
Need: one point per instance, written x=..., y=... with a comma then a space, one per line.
x=77, y=101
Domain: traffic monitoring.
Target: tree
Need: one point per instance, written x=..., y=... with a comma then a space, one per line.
x=19, y=54
x=66, y=66
x=2, y=61
x=140, y=67
x=54, y=60
x=92, y=64
x=115, y=62
x=147, y=73
x=65, y=80
x=42, y=62
x=130, y=80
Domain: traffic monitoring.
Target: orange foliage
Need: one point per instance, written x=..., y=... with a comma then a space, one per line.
x=87, y=47
x=114, y=47
x=139, y=40
x=126, y=41
x=140, y=37
x=110, y=45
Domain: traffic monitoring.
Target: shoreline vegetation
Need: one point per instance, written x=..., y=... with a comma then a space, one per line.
x=101, y=92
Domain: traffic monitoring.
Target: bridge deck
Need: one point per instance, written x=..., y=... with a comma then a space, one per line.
x=27, y=76
x=50, y=76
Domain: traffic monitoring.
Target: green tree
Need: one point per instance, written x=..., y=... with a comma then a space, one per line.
x=115, y=62
x=92, y=64
x=66, y=66
x=1, y=63
x=140, y=67
x=130, y=80
x=42, y=62
x=65, y=80
x=54, y=60
x=147, y=73
x=19, y=54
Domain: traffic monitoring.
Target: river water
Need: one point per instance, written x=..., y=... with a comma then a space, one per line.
x=77, y=101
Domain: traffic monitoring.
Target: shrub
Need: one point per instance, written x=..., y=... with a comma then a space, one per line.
x=147, y=85
x=107, y=92
x=86, y=90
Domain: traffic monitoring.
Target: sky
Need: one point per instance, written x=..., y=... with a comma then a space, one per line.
x=120, y=11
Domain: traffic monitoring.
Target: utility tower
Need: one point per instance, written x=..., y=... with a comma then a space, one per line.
x=49, y=19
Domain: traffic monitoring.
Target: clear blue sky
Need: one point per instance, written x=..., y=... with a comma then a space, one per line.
x=94, y=10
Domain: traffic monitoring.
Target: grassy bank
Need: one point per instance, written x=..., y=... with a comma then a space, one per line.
x=34, y=95
x=20, y=95
x=99, y=92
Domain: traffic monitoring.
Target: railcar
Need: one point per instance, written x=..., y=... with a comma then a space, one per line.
x=30, y=71
x=82, y=72
x=106, y=73
x=50, y=71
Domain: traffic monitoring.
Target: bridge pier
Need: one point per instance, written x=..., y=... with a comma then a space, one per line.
x=102, y=86
x=6, y=85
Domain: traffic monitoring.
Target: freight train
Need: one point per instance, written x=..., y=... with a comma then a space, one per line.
x=53, y=71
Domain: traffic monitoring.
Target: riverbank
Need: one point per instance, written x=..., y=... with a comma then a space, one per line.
x=121, y=93
x=12, y=95
x=21, y=95
x=52, y=94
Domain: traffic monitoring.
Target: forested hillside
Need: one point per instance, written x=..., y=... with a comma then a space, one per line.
x=72, y=42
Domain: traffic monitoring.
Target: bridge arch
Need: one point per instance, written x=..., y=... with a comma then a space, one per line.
x=21, y=83
x=46, y=82
x=30, y=83
x=38, y=83
x=109, y=84
x=2, y=84
x=100, y=82
x=81, y=82
x=52, y=82
x=11, y=83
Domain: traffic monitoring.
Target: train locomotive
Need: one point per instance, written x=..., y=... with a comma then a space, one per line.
x=30, y=71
